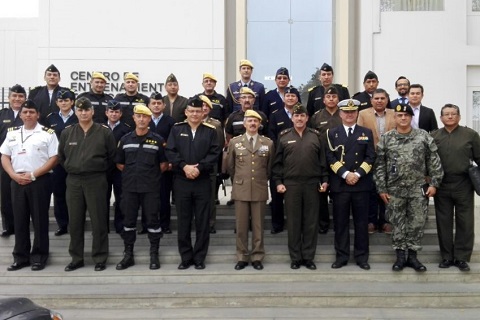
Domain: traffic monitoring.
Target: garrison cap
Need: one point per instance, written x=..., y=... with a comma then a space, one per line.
x=142, y=109
x=52, y=68
x=370, y=75
x=65, y=94
x=114, y=105
x=207, y=75
x=252, y=114
x=18, y=89
x=130, y=76
x=83, y=103
x=404, y=108
x=205, y=99
x=283, y=71
x=99, y=75
x=348, y=105
x=195, y=102
x=171, y=78
x=246, y=90
x=156, y=96
x=299, y=109
x=292, y=90
x=331, y=90
x=29, y=104
x=246, y=63
x=326, y=67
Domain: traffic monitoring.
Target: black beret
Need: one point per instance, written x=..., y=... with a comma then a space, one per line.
x=195, y=102
x=29, y=104
x=404, y=108
x=326, y=67
x=18, y=89
x=156, y=96
x=331, y=90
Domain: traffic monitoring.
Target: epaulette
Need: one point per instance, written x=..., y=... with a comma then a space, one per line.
x=318, y=111
x=265, y=137
x=181, y=122
x=69, y=125
x=105, y=126
x=312, y=88
x=13, y=129
x=237, y=137
x=50, y=114
x=285, y=131
x=209, y=125
x=35, y=88
x=215, y=120
x=48, y=130
x=314, y=130
x=340, y=85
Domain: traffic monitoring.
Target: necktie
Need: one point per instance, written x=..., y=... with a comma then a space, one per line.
x=251, y=142
x=350, y=132
x=402, y=100
x=245, y=85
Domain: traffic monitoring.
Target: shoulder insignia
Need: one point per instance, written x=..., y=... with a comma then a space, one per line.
x=314, y=130
x=265, y=137
x=179, y=123
x=237, y=137
x=48, y=130
x=50, y=114
x=35, y=88
x=69, y=125
x=105, y=126
x=209, y=125
x=312, y=88
x=127, y=125
x=285, y=131
x=274, y=111
x=13, y=129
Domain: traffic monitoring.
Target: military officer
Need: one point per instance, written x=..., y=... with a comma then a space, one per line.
x=29, y=153
x=405, y=157
x=233, y=92
x=141, y=158
x=316, y=94
x=220, y=107
x=175, y=104
x=9, y=117
x=250, y=157
x=274, y=99
x=350, y=155
x=370, y=83
x=97, y=96
x=130, y=98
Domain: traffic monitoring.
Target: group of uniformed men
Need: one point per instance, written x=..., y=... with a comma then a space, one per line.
x=382, y=165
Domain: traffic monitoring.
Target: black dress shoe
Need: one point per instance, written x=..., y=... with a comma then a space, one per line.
x=185, y=264
x=462, y=265
x=61, y=231
x=241, y=265
x=339, y=264
x=445, y=264
x=213, y=230
x=100, y=266
x=309, y=264
x=364, y=265
x=217, y=202
x=257, y=265
x=167, y=230
x=37, y=266
x=276, y=230
x=17, y=266
x=143, y=231
x=322, y=230
x=295, y=265
x=74, y=266
x=230, y=202
x=6, y=233
x=199, y=265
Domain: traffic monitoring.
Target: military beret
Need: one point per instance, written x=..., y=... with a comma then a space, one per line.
x=99, y=75
x=29, y=104
x=205, y=99
x=331, y=90
x=246, y=63
x=246, y=90
x=130, y=76
x=195, y=102
x=370, y=75
x=404, y=108
x=113, y=105
x=142, y=109
x=348, y=105
x=52, y=68
x=299, y=109
x=18, y=89
x=292, y=90
x=326, y=67
x=283, y=71
x=252, y=114
x=207, y=75
x=171, y=78
x=156, y=96
x=83, y=103
x=65, y=94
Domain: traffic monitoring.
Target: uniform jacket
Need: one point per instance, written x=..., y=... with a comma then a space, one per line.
x=128, y=103
x=179, y=106
x=323, y=120
x=250, y=168
x=316, y=94
x=221, y=110
x=40, y=96
x=163, y=127
x=8, y=120
x=427, y=120
x=358, y=156
x=233, y=94
x=365, y=100
x=234, y=124
x=218, y=129
x=99, y=103
x=279, y=121
x=367, y=118
x=120, y=130
x=55, y=121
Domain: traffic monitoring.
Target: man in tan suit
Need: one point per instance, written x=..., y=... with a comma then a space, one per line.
x=379, y=119
x=250, y=157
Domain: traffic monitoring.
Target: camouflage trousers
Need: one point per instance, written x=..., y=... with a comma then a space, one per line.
x=407, y=216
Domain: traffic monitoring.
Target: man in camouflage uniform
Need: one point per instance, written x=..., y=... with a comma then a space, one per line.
x=405, y=157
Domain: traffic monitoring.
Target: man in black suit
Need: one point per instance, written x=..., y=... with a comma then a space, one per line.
x=350, y=155
x=370, y=83
x=401, y=85
x=424, y=118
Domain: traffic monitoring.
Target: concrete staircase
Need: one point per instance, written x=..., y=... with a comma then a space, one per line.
x=220, y=292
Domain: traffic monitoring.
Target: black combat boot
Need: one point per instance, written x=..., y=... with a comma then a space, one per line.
x=129, y=238
x=413, y=262
x=154, y=245
x=400, y=263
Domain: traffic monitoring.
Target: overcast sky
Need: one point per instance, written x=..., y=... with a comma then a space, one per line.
x=18, y=8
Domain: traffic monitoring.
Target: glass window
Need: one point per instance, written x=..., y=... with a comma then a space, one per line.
x=476, y=111
x=412, y=5
x=476, y=5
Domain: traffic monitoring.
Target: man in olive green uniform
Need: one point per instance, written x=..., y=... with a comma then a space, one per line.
x=457, y=147
x=86, y=151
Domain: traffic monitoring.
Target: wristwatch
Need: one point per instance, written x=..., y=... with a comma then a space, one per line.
x=32, y=177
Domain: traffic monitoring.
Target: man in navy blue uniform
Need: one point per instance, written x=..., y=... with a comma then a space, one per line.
x=233, y=91
x=162, y=124
x=59, y=121
x=130, y=98
x=274, y=98
x=193, y=150
x=370, y=84
x=98, y=97
x=350, y=155
x=9, y=117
